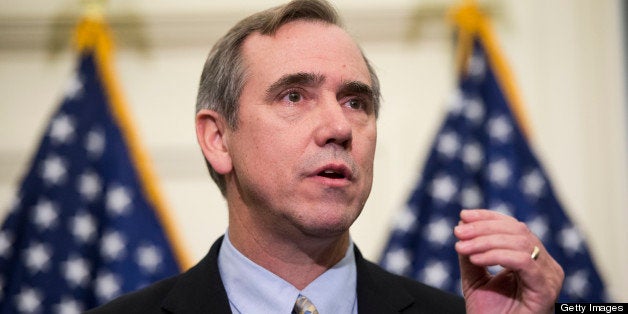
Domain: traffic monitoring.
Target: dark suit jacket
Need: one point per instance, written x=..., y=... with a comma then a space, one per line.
x=200, y=290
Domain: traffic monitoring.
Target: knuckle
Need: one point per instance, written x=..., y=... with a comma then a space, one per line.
x=522, y=228
x=522, y=243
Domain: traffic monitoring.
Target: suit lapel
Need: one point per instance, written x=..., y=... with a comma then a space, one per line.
x=200, y=289
x=375, y=292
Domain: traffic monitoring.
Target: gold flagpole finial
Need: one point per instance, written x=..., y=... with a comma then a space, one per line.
x=92, y=31
x=467, y=16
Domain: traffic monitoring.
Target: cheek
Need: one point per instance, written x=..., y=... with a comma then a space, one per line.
x=366, y=147
x=266, y=154
x=367, y=157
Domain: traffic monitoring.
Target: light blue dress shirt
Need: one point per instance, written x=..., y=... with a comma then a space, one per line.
x=251, y=289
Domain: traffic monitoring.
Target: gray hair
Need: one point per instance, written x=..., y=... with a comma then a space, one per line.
x=223, y=79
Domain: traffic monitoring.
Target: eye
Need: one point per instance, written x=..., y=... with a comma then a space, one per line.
x=293, y=97
x=356, y=104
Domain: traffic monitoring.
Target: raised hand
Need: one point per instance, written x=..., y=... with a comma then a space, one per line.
x=531, y=279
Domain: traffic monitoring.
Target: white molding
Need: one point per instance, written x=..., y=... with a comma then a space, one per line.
x=135, y=31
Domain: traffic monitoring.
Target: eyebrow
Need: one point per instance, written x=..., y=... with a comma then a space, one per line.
x=357, y=88
x=313, y=79
x=300, y=78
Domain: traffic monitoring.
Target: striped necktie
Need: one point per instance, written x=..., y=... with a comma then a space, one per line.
x=304, y=306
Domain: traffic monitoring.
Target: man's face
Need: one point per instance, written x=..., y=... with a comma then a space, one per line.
x=303, y=151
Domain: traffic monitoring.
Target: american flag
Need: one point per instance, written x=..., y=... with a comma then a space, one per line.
x=81, y=230
x=480, y=159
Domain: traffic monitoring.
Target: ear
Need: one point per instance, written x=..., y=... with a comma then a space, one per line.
x=210, y=133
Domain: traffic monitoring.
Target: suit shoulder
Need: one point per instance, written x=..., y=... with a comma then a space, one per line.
x=145, y=300
x=426, y=296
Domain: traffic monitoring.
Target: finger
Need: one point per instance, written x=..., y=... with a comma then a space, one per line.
x=471, y=215
x=498, y=241
x=469, y=230
x=541, y=278
x=471, y=275
x=515, y=260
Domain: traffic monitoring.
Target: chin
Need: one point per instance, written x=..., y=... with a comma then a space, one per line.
x=329, y=225
x=324, y=231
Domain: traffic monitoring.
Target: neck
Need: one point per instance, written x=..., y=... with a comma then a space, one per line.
x=295, y=257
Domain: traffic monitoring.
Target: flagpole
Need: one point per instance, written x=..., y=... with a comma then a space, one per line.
x=481, y=159
x=470, y=21
x=92, y=33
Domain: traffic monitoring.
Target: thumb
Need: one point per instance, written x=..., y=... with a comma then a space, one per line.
x=471, y=275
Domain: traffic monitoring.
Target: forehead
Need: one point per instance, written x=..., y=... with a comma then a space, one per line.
x=305, y=46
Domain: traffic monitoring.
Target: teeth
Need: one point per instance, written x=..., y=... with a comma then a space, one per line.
x=333, y=174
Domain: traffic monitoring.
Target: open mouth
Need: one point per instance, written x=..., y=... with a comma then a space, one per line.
x=332, y=174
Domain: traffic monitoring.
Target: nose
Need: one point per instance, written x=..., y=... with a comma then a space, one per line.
x=333, y=126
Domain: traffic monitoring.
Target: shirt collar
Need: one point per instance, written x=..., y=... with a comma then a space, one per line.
x=253, y=289
x=334, y=291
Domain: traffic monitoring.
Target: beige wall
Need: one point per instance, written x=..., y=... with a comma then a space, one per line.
x=566, y=56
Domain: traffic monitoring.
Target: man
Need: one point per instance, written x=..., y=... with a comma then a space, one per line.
x=286, y=119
